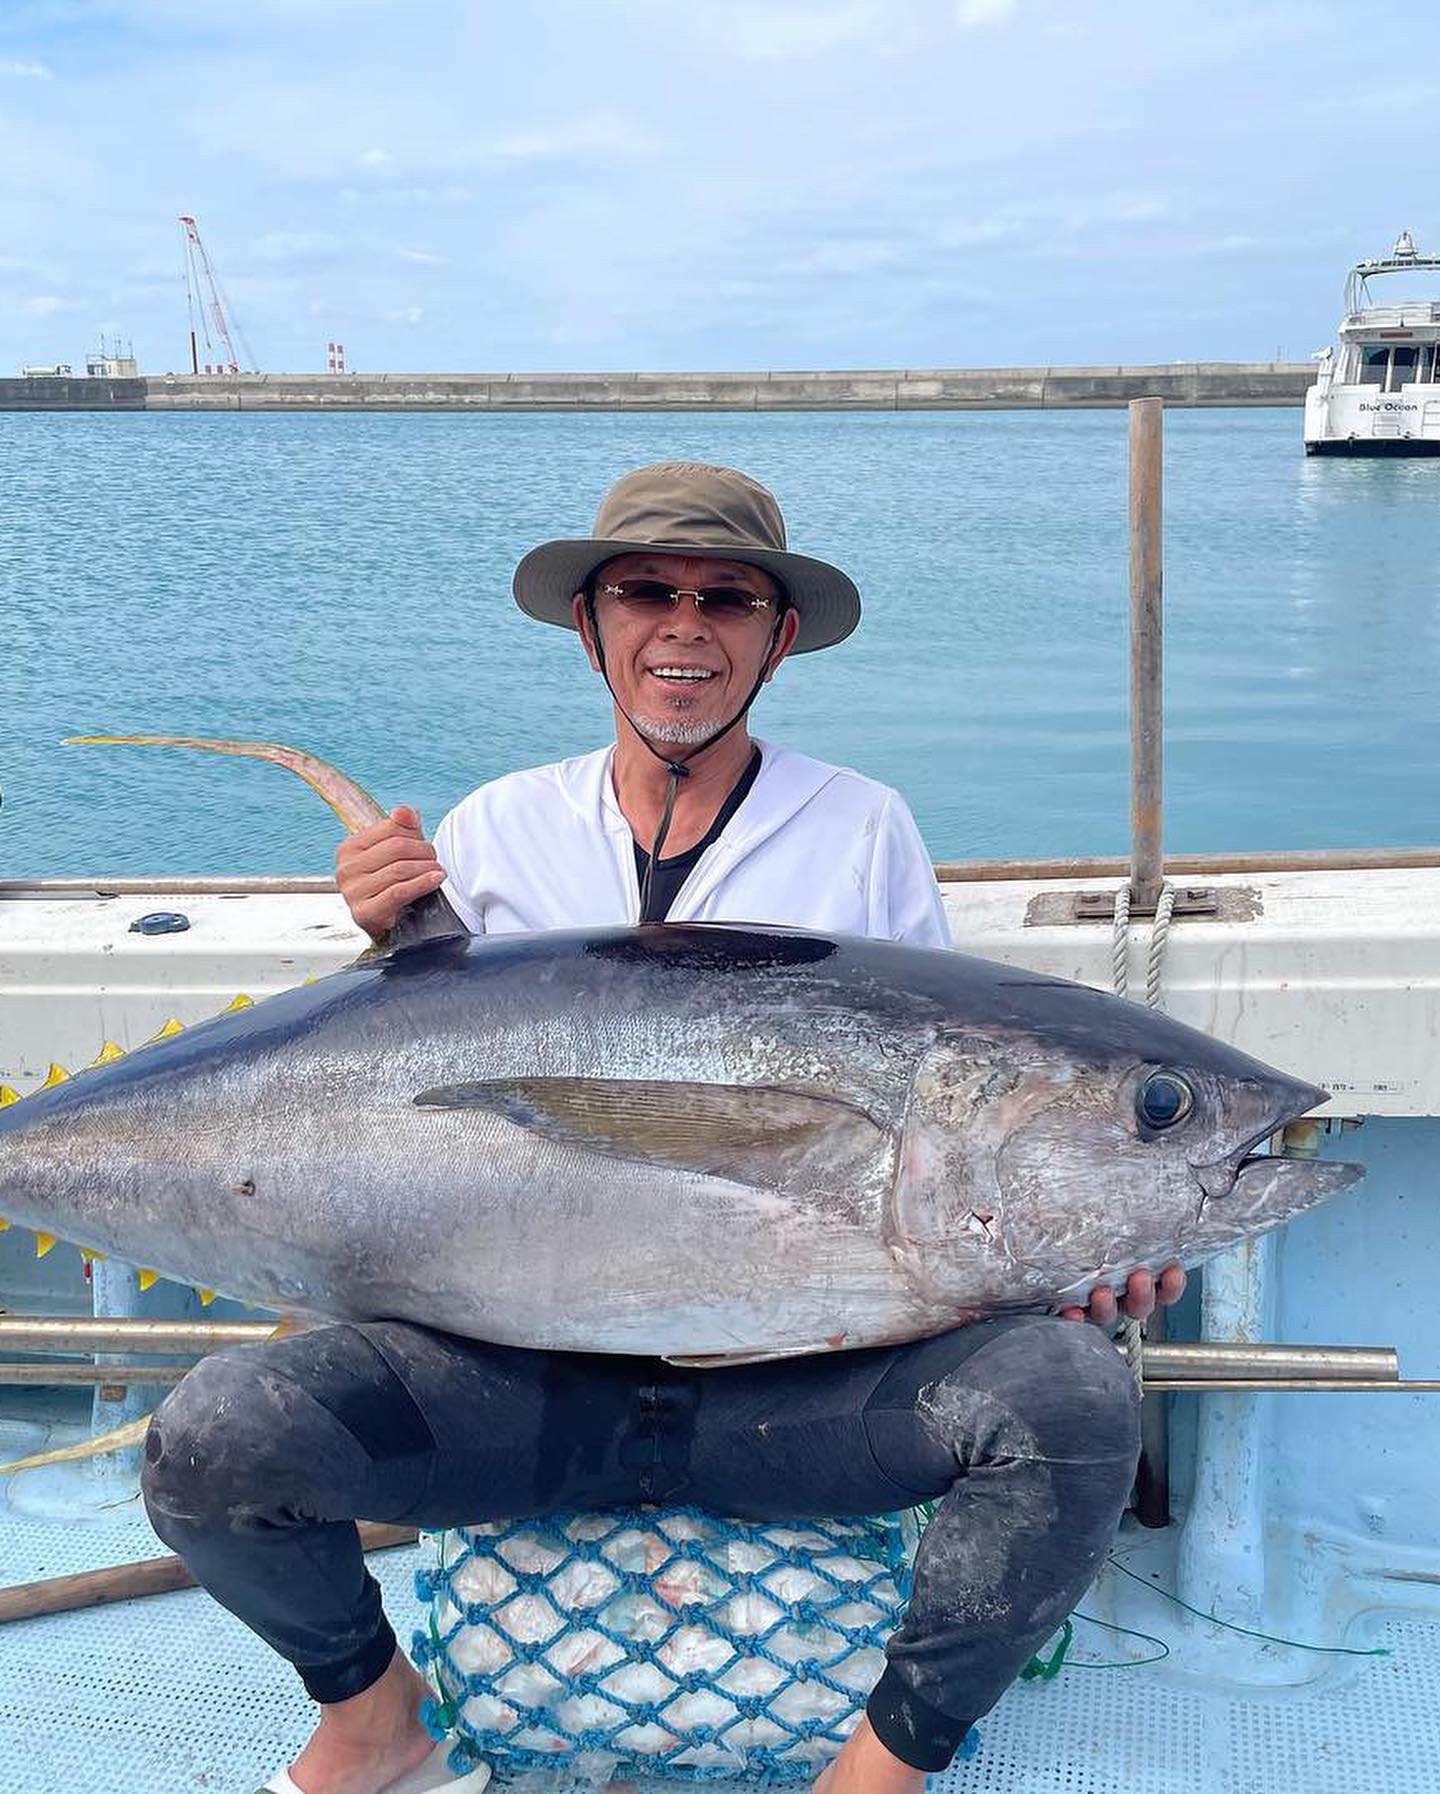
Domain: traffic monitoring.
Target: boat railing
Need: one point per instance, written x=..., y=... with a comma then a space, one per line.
x=1393, y=317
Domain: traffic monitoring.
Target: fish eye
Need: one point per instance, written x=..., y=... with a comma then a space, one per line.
x=1163, y=1099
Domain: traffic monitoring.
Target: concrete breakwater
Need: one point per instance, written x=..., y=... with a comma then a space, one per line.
x=908, y=389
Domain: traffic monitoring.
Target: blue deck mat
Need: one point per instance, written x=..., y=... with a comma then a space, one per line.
x=170, y=1695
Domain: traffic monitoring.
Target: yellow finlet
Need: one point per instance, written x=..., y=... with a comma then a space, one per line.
x=90, y=1255
x=147, y=1277
x=57, y=1074
x=109, y=1052
x=239, y=1001
x=207, y=1296
x=168, y=1030
x=8, y=1096
x=4, y=1224
x=44, y=1242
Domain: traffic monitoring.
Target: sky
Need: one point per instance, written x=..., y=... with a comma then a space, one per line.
x=708, y=184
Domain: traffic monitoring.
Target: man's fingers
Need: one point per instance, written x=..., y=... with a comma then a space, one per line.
x=407, y=816
x=1139, y=1295
x=397, y=896
x=1103, y=1307
x=1171, y=1285
x=1073, y=1314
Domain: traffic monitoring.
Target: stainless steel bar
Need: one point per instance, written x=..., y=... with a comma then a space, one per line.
x=1146, y=651
x=63, y=1333
x=1190, y=1359
x=1264, y=1385
x=52, y=1375
x=1203, y=1359
x=117, y=1376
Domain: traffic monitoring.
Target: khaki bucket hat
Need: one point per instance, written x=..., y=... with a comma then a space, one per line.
x=685, y=507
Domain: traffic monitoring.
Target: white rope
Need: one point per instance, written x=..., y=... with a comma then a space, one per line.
x=1132, y=1337
x=1120, y=943
x=1159, y=935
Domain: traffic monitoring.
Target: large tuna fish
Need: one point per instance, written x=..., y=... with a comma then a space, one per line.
x=695, y=1141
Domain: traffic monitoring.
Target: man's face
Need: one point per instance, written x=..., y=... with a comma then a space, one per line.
x=682, y=672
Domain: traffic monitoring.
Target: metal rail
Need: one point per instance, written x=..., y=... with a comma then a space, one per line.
x=1147, y=859
x=1191, y=1365
x=1176, y=865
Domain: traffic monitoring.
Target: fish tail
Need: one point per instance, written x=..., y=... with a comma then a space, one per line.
x=351, y=803
x=131, y=1433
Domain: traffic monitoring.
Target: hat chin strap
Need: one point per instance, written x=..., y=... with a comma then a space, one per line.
x=679, y=768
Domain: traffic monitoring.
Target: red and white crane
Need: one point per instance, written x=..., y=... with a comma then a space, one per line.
x=203, y=297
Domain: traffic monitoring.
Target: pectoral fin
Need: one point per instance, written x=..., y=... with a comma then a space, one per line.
x=748, y=1132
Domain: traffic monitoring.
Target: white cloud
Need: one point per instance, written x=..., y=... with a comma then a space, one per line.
x=774, y=34
x=422, y=256
x=972, y=13
x=27, y=71
x=401, y=198
x=295, y=245
x=404, y=314
x=375, y=159
x=594, y=134
x=46, y=305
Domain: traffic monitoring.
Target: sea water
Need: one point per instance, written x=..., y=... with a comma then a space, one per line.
x=342, y=582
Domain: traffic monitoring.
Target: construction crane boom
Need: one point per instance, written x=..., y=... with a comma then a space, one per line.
x=200, y=282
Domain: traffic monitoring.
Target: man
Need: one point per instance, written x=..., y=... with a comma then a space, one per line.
x=1023, y=1429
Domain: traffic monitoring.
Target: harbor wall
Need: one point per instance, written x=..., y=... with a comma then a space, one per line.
x=908, y=389
x=47, y=393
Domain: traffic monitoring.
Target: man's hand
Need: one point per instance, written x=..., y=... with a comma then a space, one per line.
x=1143, y=1294
x=385, y=867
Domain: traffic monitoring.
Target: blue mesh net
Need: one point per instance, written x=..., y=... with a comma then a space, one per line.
x=661, y=1640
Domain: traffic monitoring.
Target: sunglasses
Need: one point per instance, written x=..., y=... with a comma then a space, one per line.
x=722, y=604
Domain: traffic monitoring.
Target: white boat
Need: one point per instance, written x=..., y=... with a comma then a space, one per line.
x=1380, y=394
x=1304, y=1535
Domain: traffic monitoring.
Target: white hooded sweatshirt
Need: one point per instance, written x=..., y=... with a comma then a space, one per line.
x=812, y=846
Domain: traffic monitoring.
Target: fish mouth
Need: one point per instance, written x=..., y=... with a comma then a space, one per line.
x=1273, y=1187
x=1256, y=1188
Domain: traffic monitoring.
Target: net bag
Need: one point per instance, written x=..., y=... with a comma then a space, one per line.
x=663, y=1641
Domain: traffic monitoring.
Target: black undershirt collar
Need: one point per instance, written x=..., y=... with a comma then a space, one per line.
x=670, y=874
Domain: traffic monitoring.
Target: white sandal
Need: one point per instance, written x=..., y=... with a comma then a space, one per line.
x=430, y=1777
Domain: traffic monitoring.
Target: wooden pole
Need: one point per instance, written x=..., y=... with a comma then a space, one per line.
x=1147, y=866
x=151, y=1576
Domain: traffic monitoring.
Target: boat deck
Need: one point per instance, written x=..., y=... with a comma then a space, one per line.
x=170, y=1695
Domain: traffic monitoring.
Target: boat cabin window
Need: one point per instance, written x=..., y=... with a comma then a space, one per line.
x=1373, y=365
x=1426, y=368
x=1402, y=369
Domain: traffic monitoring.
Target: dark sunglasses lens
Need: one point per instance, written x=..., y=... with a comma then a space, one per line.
x=643, y=594
x=729, y=603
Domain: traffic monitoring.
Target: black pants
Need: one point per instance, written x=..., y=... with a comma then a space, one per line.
x=262, y=1459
